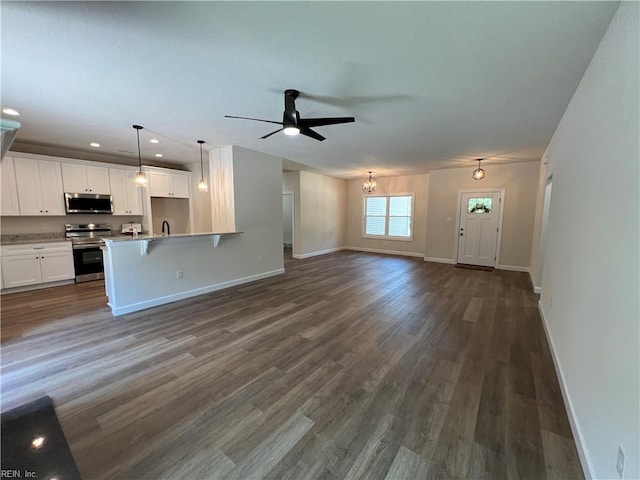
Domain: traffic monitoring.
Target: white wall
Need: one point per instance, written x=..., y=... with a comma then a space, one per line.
x=257, y=179
x=417, y=184
x=520, y=181
x=322, y=214
x=590, y=284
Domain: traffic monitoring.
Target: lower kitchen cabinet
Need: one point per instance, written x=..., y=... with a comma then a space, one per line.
x=24, y=265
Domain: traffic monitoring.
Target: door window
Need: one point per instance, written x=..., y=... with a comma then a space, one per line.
x=479, y=205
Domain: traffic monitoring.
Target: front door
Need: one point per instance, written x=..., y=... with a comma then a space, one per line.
x=479, y=221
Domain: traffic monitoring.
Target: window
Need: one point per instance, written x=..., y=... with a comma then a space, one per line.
x=479, y=205
x=388, y=217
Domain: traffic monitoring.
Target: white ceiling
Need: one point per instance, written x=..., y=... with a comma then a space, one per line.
x=431, y=84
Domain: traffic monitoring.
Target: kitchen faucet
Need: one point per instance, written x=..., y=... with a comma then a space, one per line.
x=164, y=222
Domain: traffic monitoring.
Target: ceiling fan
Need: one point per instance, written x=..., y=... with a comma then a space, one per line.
x=291, y=122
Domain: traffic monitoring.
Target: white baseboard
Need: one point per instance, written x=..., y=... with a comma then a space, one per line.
x=513, y=268
x=439, y=260
x=537, y=290
x=315, y=254
x=154, y=302
x=385, y=252
x=585, y=459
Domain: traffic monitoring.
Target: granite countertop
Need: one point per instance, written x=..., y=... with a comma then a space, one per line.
x=130, y=238
x=24, y=238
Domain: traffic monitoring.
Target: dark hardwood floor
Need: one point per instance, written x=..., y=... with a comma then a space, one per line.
x=350, y=365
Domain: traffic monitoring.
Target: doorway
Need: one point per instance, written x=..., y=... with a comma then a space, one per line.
x=479, y=226
x=287, y=220
x=544, y=232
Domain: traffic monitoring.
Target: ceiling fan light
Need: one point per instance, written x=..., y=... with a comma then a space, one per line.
x=369, y=185
x=291, y=130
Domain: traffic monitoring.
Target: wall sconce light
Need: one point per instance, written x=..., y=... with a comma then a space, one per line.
x=369, y=185
x=478, y=173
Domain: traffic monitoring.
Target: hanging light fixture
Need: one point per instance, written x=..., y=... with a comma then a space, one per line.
x=478, y=173
x=202, y=183
x=141, y=177
x=369, y=185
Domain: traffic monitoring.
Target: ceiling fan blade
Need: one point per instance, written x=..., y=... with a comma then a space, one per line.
x=310, y=133
x=254, y=119
x=272, y=133
x=318, y=122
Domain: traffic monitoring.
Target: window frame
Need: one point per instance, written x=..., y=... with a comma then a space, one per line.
x=386, y=217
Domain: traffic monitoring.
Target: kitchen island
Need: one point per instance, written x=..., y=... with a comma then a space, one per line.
x=149, y=270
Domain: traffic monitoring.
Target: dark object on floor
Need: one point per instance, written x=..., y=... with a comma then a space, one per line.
x=33, y=443
x=474, y=267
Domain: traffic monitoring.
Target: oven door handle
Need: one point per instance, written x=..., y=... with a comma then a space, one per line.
x=85, y=247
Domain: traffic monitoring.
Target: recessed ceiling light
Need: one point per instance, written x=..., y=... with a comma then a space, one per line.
x=159, y=155
x=37, y=442
x=10, y=111
x=154, y=140
x=94, y=144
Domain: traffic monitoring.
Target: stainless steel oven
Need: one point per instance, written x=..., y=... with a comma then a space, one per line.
x=87, y=254
x=87, y=262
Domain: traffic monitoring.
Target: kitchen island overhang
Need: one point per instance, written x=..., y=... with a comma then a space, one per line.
x=150, y=270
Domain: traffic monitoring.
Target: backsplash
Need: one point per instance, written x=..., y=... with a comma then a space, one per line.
x=55, y=225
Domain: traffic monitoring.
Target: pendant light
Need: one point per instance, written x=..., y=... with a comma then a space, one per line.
x=369, y=185
x=141, y=177
x=202, y=184
x=478, y=173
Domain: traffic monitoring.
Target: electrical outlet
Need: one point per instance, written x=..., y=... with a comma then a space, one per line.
x=620, y=461
x=259, y=259
x=179, y=274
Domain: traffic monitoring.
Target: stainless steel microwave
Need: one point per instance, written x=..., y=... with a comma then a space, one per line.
x=87, y=203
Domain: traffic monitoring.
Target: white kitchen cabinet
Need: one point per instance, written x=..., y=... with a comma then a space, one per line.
x=125, y=195
x=32, y=264
x=78, y=178
x=166, y=184
x=56, y=266
x=39, y=185
x=9, y=201
x=21, y=270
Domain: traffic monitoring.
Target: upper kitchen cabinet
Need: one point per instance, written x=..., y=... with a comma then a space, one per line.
x=168, y=184
x=78, y=178
x=9, y=205
x=125, y=195
x=39, y=185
